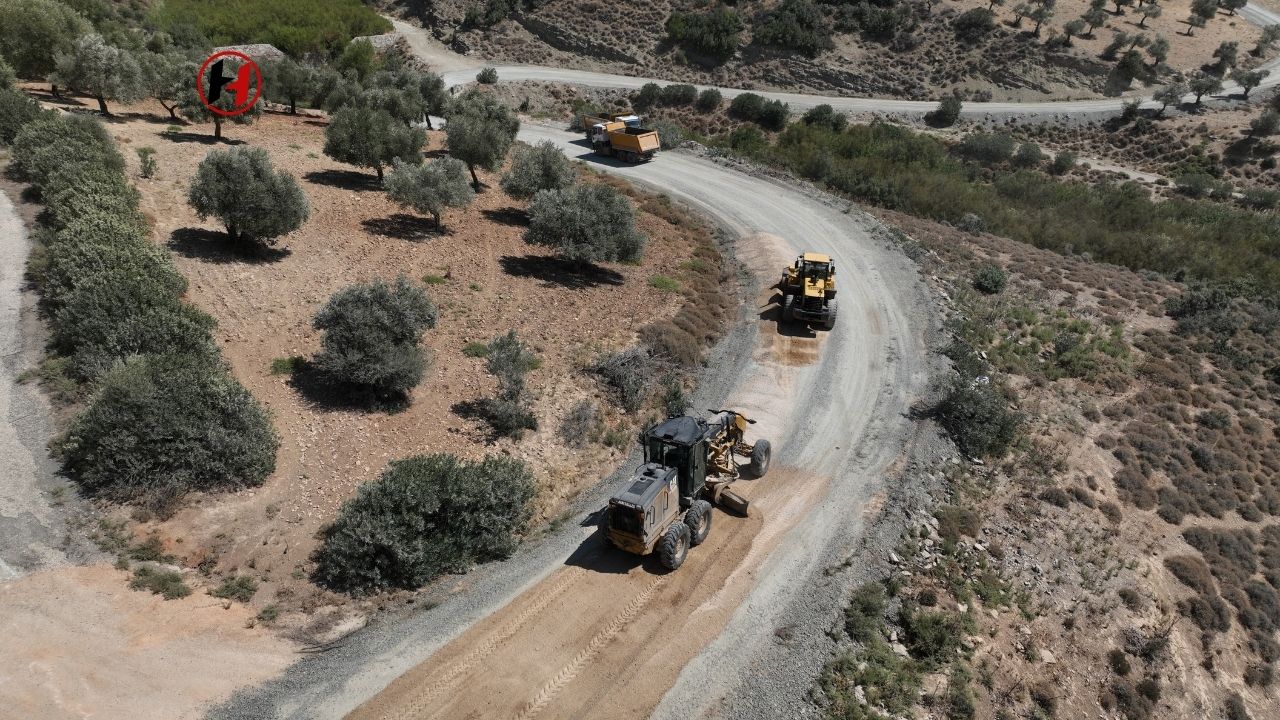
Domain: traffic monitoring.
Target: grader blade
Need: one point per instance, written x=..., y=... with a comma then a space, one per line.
x=733, y=502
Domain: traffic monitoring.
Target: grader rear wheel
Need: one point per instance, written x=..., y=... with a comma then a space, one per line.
x=673, y=548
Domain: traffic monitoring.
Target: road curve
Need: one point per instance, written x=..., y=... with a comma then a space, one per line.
x=458, y=69
x=835, y=408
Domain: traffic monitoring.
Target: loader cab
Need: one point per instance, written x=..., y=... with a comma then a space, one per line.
x=815, y=267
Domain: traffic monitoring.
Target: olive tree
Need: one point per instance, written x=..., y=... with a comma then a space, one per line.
x=102, y=71
x=424, y=516
x=533, y=169
x=430, y=188
x=480, y=131
x=166, y=77
x=163, y=425
x=371, y=337
x=33, y=32
x=1171, y=94
x=371, y=138
x=288, y=81
x=1248, y=79
x=194, y=109
x=1203, y=83
x=434, y=95
x=256, y=202
x=585, y=224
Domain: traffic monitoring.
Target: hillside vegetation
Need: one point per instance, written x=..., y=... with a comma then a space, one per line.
x=298, y=27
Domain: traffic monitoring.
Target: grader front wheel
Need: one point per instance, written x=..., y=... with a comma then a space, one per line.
x=760, y=456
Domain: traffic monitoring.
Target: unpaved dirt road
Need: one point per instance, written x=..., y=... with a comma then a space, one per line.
x=571, y=630
x=458, y=70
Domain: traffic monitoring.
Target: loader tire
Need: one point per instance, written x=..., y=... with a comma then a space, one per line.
x=698, y=518
x=760, y=456
x=787, y=310
x=673, y=548
x=830, y=321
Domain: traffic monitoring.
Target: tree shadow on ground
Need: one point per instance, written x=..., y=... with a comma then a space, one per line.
x=511, y=215
x=324, y=395
x=772, y=312
x=345, y=180
x=214, y=246
x=404, y=226
x=477, y=409
x=556, y=272
x=200, y=138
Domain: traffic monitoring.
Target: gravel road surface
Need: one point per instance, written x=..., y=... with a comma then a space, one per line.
x=458, y=69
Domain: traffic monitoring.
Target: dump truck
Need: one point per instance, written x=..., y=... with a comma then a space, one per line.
x=620, y=136
x=689, y=464
x=809, y=290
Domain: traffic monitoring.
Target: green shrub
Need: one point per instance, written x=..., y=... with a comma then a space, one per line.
x=1029, y=155
x=773, y=115
x=163, y=425
x=989, y=148
x=159, y=582
x=115, y=313
x=971, y=26
x=794, y=26
x=708, y=100
x=240, y=588
x=424, y=516
x=1119, y=662
x=253, y=200
x=147, y=165
x=678, y=95
x=536, y=168
x=954, y=521
x=371, y=337
x=746, y=106
x=630, y=374
x=864, y=617
x=75, y=191
x=487, y=76
x=1062, y=162
x=826, y=116
x=581, y=424
x=585, y=224
x=664, y=283
x=105, y=228
x=509, y=414
x=947, y=112
x=287, y=365
x=72, y=260
x=51, y=143
x=714, y=33
x=977, y=417
x=647, y=96
x=931, y=637
x=16, y=110
x=990, y=279
x=670, y=134
x=298, y=27
x=476, y=349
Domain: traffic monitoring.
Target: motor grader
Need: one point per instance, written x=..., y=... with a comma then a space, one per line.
x=689, y=464
x=620, y=136
x=809, y=290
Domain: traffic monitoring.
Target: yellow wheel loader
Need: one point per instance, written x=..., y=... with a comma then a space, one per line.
x=620, y=136
x=809, y=291
x=688, y=466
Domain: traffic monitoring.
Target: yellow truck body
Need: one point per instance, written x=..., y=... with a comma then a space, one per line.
x=620, y=136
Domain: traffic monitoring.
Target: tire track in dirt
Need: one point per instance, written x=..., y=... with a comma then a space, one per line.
x=418, y=704
x=570, y=671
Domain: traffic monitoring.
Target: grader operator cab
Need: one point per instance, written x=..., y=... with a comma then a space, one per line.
x=688, y=465
x=809, y=290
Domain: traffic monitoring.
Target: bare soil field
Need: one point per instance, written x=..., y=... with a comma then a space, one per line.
x=78, y=643
x=923, y=61
x=1068, y=562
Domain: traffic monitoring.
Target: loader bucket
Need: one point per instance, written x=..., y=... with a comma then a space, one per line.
x=733, y=502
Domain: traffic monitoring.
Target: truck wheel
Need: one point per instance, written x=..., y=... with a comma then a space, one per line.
x=788, y=311
x=674, y=546
x=604, y=529
x=760, y=455
x=699, y=521
x=830, y=321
